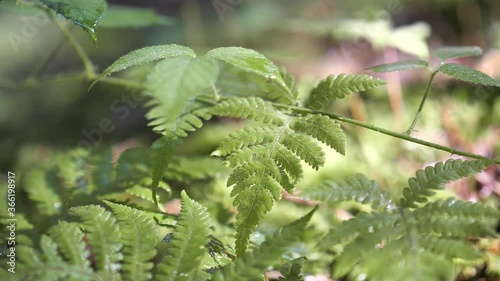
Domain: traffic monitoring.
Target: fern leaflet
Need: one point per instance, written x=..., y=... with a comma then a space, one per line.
x=433, y=178
x=186, y=250
x=337, y=87
x=292, y=271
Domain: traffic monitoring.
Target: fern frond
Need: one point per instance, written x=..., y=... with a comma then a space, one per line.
x=69, y=238
x=292, y=271
x=248, y=136
x=163, y=152
x=448, y=247
x=185, y=251
x=360, y=225
x=138, y=236
x=103, y=235
x=190, y=120
x=354, y=188
x=252, y=265
x=432, y=178
x=321, y=128
x=186, y=169
x=452, y=207
x=337, y=87
x=49, y=265
x=451, y=226
x=249, y=108
x=40, y=191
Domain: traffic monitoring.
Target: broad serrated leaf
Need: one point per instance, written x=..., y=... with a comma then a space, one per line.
x=400, y=66
x=323, y=129
x=337, y=87
x=432, y=178
x=82, y=13
x=69, y=238
x=174, y=84
x=467, y=74
x=163, y=151
x=354, y=188
x=103, y=235
x=127, y=17
x=144, y=56
x=252, y=61
x=138, y=236
x=446, y=53
x=185, y=251
x=252, y=265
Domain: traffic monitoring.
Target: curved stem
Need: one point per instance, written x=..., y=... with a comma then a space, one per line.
x=87, y=64
x=402, y=136
x=417, y=115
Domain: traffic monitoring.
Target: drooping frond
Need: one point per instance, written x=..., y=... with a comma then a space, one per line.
x=337, y=87
x=292, y=271
x=103, y=235
x=252, y=265
x=321, y=128
x=69, y=238
x=163, y=152
x=432, y=178
x=249, y=108
x=186, y=249
x=138, y=236
x=354, y=188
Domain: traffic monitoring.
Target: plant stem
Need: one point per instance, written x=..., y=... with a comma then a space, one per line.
x=417, y=115
x=87, y=64
x=402, y=136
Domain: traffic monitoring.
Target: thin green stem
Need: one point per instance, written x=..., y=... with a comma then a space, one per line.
x=417, y=115
x=402, y=136
x=87, y=63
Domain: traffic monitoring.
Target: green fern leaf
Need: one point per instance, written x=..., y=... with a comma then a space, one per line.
x=49, y=265
x=248, y=136
x=321, y=128
x=185, y=251
x=305, y=148
x=433, y=178
x=138, y=236
x=103, y=235
x=354, y=188
x=186, y=169
x=42, y=192
x=292, y=271
x=144, y=56
x=249, y=108
x=174, y=84
x=452, y=249
x=69, y=238
x=337, y=87
x=252, y=265
x=452, y=207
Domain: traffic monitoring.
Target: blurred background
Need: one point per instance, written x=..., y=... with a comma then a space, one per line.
x=44, y=109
